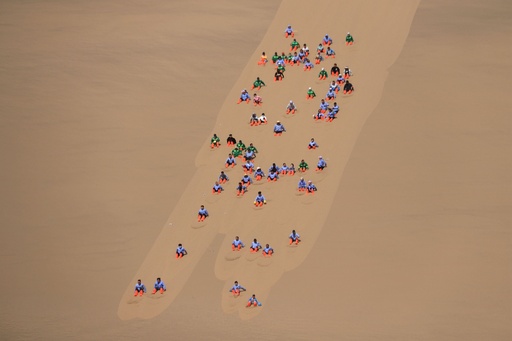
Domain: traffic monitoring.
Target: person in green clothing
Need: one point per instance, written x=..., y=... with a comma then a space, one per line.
x=215, y=141
x=240, y=145
x=322, y=74
x=251, y=148
x=294, y=45
x=311, y=94
x=258, y=83
x=349, y=40
x=289, y=58
x=275, y=57
x=303, y=166
x=236, y=152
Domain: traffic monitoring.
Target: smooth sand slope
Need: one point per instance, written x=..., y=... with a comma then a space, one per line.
x=407, y=239
x=286, y=209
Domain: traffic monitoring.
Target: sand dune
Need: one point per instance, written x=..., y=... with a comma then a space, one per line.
x=286, y=209
x=407, y=238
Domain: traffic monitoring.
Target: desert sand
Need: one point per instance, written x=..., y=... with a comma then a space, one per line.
x=107, y=110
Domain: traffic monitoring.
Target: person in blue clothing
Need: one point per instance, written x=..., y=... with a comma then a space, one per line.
x=302, y=185
x=249, y=155
x=246, y=180
x=330, y=53
x=323, y=105
x=217, y=188
x=291, y=169
x=259, y=174
x=294, y=238
x=278, y=129
x=335, y=108
x=321, y=164
x=320, y=49
x=272, y=176
x=334, y=87
x=331, y=115
x=267, y=251
x=244, y=97
x=237, y=244
x=289, y=32
x=284, y=169
x=159, y=286
x=311, y=188
x=291, y=108
x=255, y=246
x=260, y=200
x=340, y=80
x=307, y=64
x=140, y=288
x=319, y=58
x=253, y=302
x=180, y=251
x=202, y=214
x=330, y=95
x=312, y=144
x=319, y=115
x=302, y=54
x=236, y=289
x=240, y=189
x=248, y=166
x=254, y=121
x=230, y=161
x=327, y=40
x=223, y=178
x=296, y=59
x=274, y=168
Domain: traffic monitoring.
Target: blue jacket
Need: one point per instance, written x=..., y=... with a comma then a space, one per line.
x=279, y=128
x=260, y=198
x=181, y=249
x=160, y=285
x=140, y=287
x=238, y=242
x=302, y=183
x=255, y=245
x=294, y=236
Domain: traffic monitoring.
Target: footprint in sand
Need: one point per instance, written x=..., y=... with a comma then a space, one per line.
x=308, y=199
x=252, y=256
x=231, y=303
x=291, y=249
x=299, y=194
x=134, y=300
x=198, y=224
x=320, y=176
x=233, y=255
x=265, y=261
x=289, y=116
